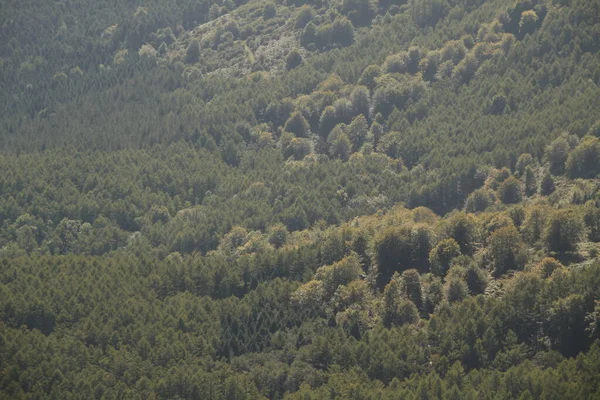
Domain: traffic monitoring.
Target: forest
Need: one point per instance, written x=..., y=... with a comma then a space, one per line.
x=293, y=199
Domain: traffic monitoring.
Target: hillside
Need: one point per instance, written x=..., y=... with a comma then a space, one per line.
x=329, y=199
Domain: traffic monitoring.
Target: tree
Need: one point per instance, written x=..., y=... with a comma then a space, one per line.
x=525, y=160
x=547, y=184
x=422, y=241
x=341, y=147
x=298, y=148
x=293, y=59
x=479, y=200
x=360, y=12
x=269, y=11
x=428, y=12
x=392, y=253
x=528, y=23
x=339, y=273
x=304, y=16
x=556, y=154
x=463, y=229
x=456, y=290
x=595, y=128
x=591, y=219
x=476, y=279
x=510, y=191
x=397, y=310
x=193, y=52
x=584, y=160
x=360, y=101
x=411, y=287
x=534, y=224
x=342, y=32
x=278, y=235
x=441, y=256
x=327, y=121
x=507, y=251
x=298, y=125
x=433, y=294
x=547, y=266
x=369, y=76
x=357, y=132
x=563, y=231
x=530, y=182
x=309, y=35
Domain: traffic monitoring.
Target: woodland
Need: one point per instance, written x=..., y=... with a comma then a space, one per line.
x=294, y=199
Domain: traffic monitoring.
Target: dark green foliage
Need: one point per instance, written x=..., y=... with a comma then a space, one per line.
x=269, y=11
x=304, y=16
x=193, y=52
x=556, y=154
x=479, y=200
x=392, y=254
x=524, y=161
x=591, y=219
x=510, y=191
x=191, y=209
x=293, y=60
x=584, y=160
x=476, y=279
x=297, y=125
x=507, y=251
x=547, y=184
x=441, y=256
x=397, y=310
x=360, y=12
x=463, y=229
x=530, y=182
x=563, y=231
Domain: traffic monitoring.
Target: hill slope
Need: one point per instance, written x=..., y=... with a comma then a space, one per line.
x=344, y=199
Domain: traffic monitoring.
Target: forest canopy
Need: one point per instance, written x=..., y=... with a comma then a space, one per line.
x=210, y=199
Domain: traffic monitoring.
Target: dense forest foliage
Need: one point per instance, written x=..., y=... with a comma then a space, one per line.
x=217, y=199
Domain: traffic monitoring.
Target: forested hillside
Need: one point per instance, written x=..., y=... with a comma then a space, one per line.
x=367, y=199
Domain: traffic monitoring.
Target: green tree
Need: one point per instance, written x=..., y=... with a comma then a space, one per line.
x=556, y=154
x=304, y=16
x=584, y=160
x=411, y=287
x=397, y=310
x=547, y=184
x=360, y=12
x=463, y=228
x=369, y=76
x=525, y=160
x=507, y=251
x=309, y=35
x=510, y=191
x=193, y=52
x=293, y=59
x=530, y=182
x=563, y=231
x=479, y=200
x=269, y=11
x=327, y=121
x=298, y=125
x=392, y=253
x=591, y=218
x=456, y=290
x=441, y=256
